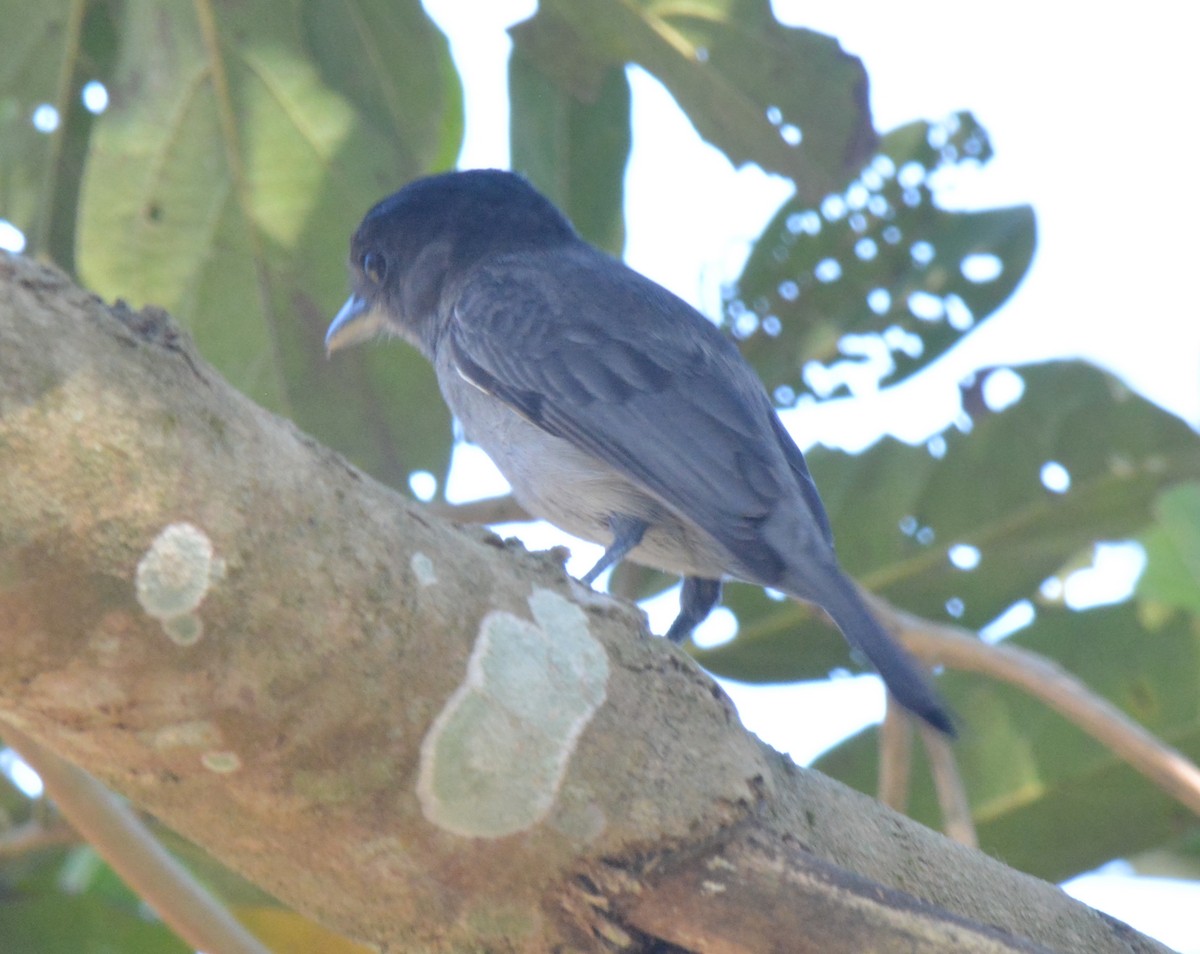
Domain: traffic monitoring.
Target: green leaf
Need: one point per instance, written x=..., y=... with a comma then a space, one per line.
x=241, y=148
x=47, y=54
x=896, y=510
x=1171, y=579
x=748, y=83
x=62, y=924
x=881, y=260
x=31, y=60
x=390, y=62
x=1043, y=795
x=1180, y=860
x=569, y=124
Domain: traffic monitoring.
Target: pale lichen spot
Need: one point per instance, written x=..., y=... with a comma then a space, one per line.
x=495, y=757
x=196, y=733
x=423, y=570
x=174, y=575
x=106, y=646
x=183, y=630
x=221, y=762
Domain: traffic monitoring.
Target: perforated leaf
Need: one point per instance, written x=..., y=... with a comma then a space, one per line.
x=882, y=262
x=788, y=99
x=898, y=510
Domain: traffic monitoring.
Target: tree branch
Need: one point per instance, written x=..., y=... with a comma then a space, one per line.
x=417, y=735
x=940, y=644
x=951, y=793
x=895, y=756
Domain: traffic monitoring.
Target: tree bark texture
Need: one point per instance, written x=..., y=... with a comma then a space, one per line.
x=418, y=734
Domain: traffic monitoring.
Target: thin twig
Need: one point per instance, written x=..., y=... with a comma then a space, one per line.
x=121, y=839
x=489, y=510
x=895, y=756
x=951, y=793
x=940, y=644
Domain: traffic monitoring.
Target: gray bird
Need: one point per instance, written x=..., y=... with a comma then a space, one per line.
x=614, y=409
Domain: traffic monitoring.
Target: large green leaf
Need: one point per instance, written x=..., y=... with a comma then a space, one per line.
x=880, y=259
x=391, y=63
x=243, y=144
x=1044, y=796
x=569, y=124
x=897, y=510
x=788, y=99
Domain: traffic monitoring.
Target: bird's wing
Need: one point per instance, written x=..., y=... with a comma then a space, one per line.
x=595, y=354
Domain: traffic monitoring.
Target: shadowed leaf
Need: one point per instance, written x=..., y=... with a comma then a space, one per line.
x=569, y=126
x=48, y=52
x=897, y=510
x=788, y=99
x=1044, y=795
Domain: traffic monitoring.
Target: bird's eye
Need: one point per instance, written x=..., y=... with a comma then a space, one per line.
x=374, y=266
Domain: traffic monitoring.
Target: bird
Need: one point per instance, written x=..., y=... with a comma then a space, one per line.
x=614, y=409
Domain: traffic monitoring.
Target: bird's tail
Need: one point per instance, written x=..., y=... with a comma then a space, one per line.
x=902, y=674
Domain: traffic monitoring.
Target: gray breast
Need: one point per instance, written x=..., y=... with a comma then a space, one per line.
x=573, y=490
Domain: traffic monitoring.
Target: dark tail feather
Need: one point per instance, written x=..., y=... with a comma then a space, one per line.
x=902, y=674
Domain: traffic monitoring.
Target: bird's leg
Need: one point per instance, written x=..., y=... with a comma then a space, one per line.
x=627, y=533
x=696, y=601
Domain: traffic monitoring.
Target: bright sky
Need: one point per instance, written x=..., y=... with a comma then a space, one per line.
x=1087, y=109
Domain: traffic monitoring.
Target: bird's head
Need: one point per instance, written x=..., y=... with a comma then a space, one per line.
x=415, y=243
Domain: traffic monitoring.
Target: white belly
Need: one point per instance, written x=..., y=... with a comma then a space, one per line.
x=577, y=492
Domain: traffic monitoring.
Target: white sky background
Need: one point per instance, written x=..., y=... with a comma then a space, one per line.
x=1091, y=110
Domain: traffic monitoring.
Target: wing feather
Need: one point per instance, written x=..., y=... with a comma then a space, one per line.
x=619, y=367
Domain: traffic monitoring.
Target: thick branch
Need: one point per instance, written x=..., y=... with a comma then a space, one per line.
x=718, y=905
x=409, y=731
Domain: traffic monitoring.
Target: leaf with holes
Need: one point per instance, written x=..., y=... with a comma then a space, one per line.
x=898, y=512
x=878, y=277
x=788, y=99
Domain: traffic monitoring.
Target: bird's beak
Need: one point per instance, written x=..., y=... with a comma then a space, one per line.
x=359, y=320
